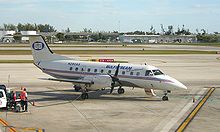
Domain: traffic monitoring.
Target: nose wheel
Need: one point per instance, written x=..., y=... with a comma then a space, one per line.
x=121, y=90
x=165, y=97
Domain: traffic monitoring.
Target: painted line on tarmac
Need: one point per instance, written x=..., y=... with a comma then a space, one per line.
x=190, y=117
x=12, y=128
x=34, y=129
x=5, y=124
x=167, y=123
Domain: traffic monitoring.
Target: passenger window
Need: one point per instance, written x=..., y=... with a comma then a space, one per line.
x=76, y=69
x=123, y=72
x=148, y=73
x=71, y=68
x=95, y=70
x=109, y=71
x=138, y=73
x=131, y=73
x=102, y=71
x=88, y=70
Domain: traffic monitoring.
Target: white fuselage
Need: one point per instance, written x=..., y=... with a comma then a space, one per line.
x=131, y=75
x=87, y=75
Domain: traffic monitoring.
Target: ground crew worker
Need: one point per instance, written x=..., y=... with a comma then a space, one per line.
x=14, y=99
x=24, y=100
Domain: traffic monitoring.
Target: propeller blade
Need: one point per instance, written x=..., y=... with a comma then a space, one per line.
x=110, y=75
x=119, y=82
x=112, y=87
x=117, y=69
x=114, y=78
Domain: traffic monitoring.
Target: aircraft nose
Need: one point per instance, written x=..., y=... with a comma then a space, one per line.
x=178, y=85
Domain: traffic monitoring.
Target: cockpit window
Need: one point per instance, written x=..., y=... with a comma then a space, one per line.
x=157, y=72
x=148, y=73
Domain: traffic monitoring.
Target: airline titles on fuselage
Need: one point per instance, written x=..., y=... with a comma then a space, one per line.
x=128, y=68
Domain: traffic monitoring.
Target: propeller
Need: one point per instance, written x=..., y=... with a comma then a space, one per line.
x=115, y=78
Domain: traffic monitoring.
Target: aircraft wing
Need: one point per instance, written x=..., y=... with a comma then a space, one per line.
x=70, y=80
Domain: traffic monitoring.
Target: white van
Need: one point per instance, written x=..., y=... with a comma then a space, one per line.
x=3, y=99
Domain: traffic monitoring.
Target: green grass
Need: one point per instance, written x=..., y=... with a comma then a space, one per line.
x=16, y=61
x=85, y=52
x=194, y=44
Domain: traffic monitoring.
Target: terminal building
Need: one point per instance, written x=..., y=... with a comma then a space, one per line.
x=8, y=36
x=158, y=38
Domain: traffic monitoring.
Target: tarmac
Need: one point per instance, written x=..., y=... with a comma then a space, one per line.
x=57, y=107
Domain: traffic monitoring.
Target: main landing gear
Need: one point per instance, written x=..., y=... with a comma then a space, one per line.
x=120, y=90
x=165, y=97
x=84, y=96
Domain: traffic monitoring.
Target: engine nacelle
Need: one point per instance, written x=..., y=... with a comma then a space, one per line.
x=99, y=81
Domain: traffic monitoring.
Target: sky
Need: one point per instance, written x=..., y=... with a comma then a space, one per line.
x=114, y=15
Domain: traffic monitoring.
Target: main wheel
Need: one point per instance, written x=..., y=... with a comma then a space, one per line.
x=121, y=91
x=84, y=96
x=165, y=98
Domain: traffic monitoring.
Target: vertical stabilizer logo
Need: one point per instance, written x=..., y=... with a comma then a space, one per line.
x=37, y=45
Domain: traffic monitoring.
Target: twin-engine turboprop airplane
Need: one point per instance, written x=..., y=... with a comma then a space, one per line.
x=86, y=76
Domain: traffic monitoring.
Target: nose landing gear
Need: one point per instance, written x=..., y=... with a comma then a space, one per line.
x=165, y=97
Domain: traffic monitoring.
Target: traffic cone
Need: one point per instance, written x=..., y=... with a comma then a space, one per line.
x=193, y=99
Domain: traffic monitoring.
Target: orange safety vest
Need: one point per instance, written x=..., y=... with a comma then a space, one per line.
x=23, y=96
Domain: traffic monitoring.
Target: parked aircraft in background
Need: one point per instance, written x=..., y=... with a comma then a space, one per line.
x=86, y=76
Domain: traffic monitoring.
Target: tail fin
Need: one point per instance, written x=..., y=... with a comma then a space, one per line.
x=41, y=51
